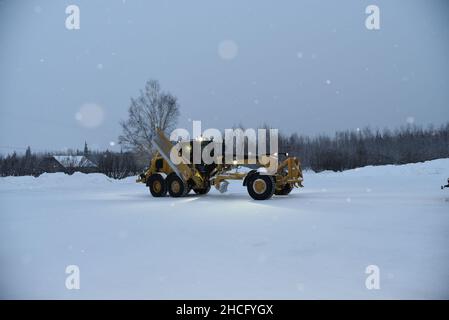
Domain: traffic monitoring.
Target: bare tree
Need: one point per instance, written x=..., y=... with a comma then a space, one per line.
x=152, y=109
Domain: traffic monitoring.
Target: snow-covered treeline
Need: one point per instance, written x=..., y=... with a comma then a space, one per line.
x=116, y=165
x=346, y=150
x=358, y=148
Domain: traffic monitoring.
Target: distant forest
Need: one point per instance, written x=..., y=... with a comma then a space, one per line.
x=353, y=149
x=345, y=150
x=116, y=165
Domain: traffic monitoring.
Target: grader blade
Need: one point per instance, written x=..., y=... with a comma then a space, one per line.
x=223, y=187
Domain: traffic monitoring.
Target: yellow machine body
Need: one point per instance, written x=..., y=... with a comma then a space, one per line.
x=193, y=176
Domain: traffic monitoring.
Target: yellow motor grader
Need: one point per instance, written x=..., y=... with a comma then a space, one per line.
x=178, y=179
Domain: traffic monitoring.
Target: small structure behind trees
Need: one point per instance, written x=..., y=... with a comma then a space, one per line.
x=72, y=164
x=116, y=165
x=49, y=164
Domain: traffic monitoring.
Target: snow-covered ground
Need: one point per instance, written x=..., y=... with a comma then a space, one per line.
x=315, y=243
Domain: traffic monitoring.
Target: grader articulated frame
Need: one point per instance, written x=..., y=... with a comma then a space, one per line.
x=163, y=175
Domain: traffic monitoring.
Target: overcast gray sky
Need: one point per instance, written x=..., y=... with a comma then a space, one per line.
x=305, y=66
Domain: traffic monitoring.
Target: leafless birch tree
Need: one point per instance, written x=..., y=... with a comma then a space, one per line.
x=153, y=109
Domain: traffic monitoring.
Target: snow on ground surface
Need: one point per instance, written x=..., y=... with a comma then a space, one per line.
x=314, y=243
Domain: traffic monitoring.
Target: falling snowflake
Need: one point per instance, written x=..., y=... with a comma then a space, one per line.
x=100, y=66
x=410, y=120
x=227, y=49
x=90, y=115
x=262, y=258
x=300, y=286
x=26, y=258
x=328, y=82
x=123, y=234
x=299, y=55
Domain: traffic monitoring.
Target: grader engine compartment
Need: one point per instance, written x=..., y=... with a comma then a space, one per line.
x=179, y=176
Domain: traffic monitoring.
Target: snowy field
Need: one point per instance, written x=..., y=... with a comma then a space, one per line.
x=315, y=243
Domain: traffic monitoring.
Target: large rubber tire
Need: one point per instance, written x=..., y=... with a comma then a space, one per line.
x=157, y=186
x=285, y=190
x=204, y=190
x=260, y=186
x=176, y=187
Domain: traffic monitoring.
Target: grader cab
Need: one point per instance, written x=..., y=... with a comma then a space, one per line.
x=178, y=179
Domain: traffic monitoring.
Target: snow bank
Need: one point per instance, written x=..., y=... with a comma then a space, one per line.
x=59, y=179
x=433, y=167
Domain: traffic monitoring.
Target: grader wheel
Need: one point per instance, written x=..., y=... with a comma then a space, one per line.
x=157, y=186
x=176, y=187
x=260, y=187
x=204, y=190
